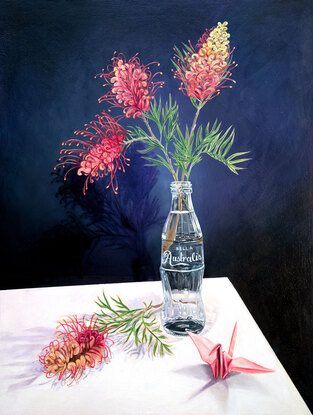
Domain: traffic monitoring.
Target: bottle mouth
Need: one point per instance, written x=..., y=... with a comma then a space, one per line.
x=181, y=186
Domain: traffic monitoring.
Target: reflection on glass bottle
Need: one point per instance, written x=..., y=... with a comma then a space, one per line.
x=182, y=265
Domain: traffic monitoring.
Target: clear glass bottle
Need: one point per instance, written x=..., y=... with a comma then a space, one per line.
x=182, y=265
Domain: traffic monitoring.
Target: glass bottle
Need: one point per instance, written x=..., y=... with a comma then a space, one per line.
x=182, y=265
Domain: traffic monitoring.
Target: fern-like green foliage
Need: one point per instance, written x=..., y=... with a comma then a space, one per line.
x=178, y=151
x=166, y=120
x=190, y=148
x=138, y=324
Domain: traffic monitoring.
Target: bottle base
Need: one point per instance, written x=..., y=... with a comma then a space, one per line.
x=180, y=327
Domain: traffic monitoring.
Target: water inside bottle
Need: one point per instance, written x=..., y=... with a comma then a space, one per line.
x=181, y=271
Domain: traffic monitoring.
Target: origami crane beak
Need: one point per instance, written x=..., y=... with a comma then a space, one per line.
x=223, y=363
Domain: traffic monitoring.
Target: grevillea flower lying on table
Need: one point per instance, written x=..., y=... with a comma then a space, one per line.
x=78, y=345
x=203, y=71
x=138, y=324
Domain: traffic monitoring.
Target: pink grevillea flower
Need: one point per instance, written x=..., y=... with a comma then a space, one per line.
x=100, y=152
x=131, y=83
x=204, y=70
x=78, y=345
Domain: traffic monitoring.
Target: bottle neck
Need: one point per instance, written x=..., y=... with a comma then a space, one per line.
x=181, y=196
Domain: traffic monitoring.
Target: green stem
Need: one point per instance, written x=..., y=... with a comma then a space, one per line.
x=142, y=311
x=169, y=161
x=133, y=140
x=191, y=134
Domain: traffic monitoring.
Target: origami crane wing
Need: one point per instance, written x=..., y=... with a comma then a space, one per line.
x=210, y=353
x=221, y=362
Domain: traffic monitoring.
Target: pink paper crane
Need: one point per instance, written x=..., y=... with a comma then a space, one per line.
x=222, y=363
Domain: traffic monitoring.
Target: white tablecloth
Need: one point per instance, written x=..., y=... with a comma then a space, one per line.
x=134, y=382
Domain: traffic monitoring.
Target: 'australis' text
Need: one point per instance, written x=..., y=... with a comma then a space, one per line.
x=172, y=260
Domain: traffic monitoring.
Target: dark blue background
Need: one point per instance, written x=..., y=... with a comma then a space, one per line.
x=257, y=226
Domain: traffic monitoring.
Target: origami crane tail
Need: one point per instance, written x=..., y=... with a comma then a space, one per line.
x=240, y=364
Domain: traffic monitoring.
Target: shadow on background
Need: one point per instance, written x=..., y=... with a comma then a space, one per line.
x=103, y=239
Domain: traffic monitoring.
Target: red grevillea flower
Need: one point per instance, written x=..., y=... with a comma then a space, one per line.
x=78, y=345
x=205, y=69
x=131, y=83
x=100, y=152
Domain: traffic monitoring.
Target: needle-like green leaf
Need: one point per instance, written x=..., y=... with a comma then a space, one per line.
x=139, y=324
